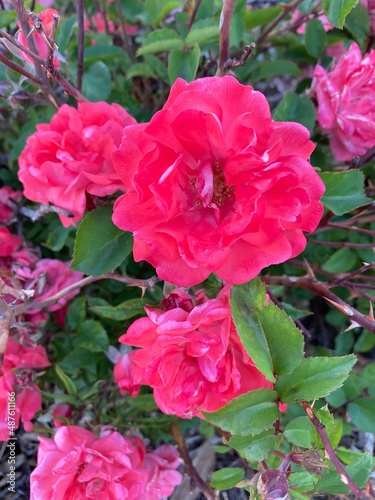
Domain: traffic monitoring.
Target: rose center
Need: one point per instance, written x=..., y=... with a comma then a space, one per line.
x=221, y=193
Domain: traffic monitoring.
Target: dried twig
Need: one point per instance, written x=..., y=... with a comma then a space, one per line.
x=224, y=43
x=189, y=467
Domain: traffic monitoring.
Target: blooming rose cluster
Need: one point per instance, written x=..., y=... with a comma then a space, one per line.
x=190, y=354
x=76, y=465
x=69, y=160
x=17, y=375
x=213, y=184
x=346, y=103
x=46, y=18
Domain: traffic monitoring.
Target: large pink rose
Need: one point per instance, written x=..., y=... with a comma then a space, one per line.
x=46, y=18
x=17, y=376
x=71, y=157
x=76, y=465
x=192, y=356
x=215, y=185
x=346, y=103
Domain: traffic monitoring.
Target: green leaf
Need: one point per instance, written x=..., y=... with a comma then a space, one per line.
x=268, y=69
x=301, y=482
x=314, y=378
x=100, y=246
x=254, y=448
x=79, y=358
x=57, y=238
x=250, y=413
x=76, y=313
x=368, y=374
x=183, y=64
x=225, y=479
x=337, y=10
x=267, y=333
x=203, y=31
x=360, y=470
x=96, y=84
x=140, y=69
x=361, y=412
x=344, y=191
x=64, y=32
x=358, y=23
x=61, y=398
x=299, y=432
x=7, y=17
x=259, y=17
x=315, y=38
x=342, y=260
x=103, y=53
x=331, y=483
x=121, y=312
x=158, y=66
x=162, y=40
x=296, y=108
x=365, y=342
x=66, y=380
x=92, y=336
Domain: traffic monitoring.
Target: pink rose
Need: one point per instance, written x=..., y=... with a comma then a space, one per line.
x=62, y=410
x=127, y=374
x=8, y=199
x=48, y=277
x=346, y=103
x=215, y=185
x=46, y=17
x=77, y=465
x=70, y=159
x=17, y=376
x=9, y=242
x=161, y=465
x=194, y=360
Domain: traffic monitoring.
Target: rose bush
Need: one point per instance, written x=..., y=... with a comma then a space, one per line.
x=346, y=103
x=191, y=356
x=77, y=465
x=17, y=375
x=70, y=159
x=215, y=185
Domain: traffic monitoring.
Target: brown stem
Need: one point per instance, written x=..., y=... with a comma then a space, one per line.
x=81, y=42
x=19, y=69
x=272, y=26
x=360, y=161
x=124, y=36
x=42, y=304
x=224, y=43
x=52, y=46
x=322, y=290
x=345, y=478
x=194, y=13
x=340, y=244
x=189, y=467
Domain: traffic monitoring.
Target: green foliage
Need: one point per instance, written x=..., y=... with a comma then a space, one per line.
x=100, y=246
x=315, y=38
x=296, y=108
x=344, y=191
x=337, y=10
x=96, y=84
x=267, y=333
x=183, y=63
x=226, y=478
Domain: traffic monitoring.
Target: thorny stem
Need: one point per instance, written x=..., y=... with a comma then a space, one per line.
x=19, y=69
x=189, y=467
x=69, y=88
x=81, y=42
x=272, y=26
x=312, y=284
x=52, y=47
x=23, y=308
x=225, y=21
x=345, y=478
x=22, y=15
